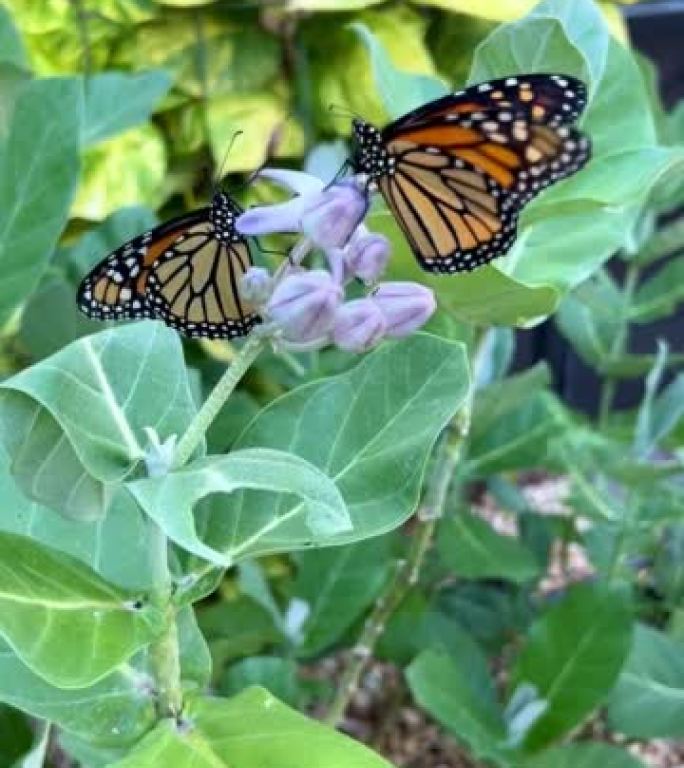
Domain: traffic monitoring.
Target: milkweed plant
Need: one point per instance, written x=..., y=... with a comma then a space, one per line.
x=211, y=550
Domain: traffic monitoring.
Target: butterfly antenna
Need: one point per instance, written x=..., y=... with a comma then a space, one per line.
x=344, y=112
x=219, y=176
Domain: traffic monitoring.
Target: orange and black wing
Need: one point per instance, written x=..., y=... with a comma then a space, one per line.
x=116, y=288
x=463, y=167
x=194, y=285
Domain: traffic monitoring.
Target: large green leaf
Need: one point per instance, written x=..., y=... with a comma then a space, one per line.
x=251, y=730
x=442, y=687
x=115, y=101
x=648, y=700
x=471, y=549
x=318, y=513
x=338, y=584
x=39, y=166
x=585, y=755
x=276, y=674
x=11, y=47
x=573, y=657
x=117, y=709
x=75, y=422
x=370, y=429
x=64, y=621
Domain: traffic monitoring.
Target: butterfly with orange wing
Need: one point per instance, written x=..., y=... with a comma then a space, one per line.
x=185, y=272
x=456, y=172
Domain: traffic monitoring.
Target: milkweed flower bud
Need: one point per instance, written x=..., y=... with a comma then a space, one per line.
x=303, y=305
x=256, y=285
x=367, y=256
x=332, y=217
x=358, y=325
x=405, y=306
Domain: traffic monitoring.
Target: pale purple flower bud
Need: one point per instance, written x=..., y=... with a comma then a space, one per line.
x=405, y=306
x=367, y=256
x=359, y=325
x=256, y=285
x=332, y=217
x=303, y=305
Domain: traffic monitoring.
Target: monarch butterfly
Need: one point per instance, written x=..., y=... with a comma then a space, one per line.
x=185, y=272
x=456, y=172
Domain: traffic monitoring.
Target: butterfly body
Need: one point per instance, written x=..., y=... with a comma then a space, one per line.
x=456, y=172
x=185, y=272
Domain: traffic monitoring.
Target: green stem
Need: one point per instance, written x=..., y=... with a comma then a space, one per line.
x=405, y=576
x=212, y=405
x=609, y=383
x=164, y=651
x=82, y=21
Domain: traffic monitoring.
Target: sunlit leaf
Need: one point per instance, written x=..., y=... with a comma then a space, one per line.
x=64, y=621
x=370, y=429
x=125, y=170
x=251, y=730
x=75, y=422
x=318, y=514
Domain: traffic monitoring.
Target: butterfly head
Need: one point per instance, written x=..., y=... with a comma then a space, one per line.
x=224, y=212
x=369, y=154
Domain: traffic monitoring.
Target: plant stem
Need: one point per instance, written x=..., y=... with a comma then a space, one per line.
x=82, y=21
x=609, y=384
x=164, y=652
x=407, y=573
x=212, y=405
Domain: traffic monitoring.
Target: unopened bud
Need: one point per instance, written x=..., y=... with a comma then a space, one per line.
x=405, y=306
x=367, y=256
x=359, y=325
x=303, y=305
x=332, y=217
x=256, y=285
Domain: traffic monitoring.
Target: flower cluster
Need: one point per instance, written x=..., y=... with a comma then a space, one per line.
x=308, y=307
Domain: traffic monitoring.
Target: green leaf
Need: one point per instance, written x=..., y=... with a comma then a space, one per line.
x=584, y=755
x=400, y=91
x=573, y=657
x=74, y=422
x=512, y=422
x=66, y=623
x=277, y=675
x=338, y=585
x=661, y=294
x=644, y=437
x=471, y=549
x=251, y=730
x=116, y=101
x=318, y=514
x=128, y=169
x=370, y=429
x=42, y=144
x=441, y=686
x=117, y=709
x=648, y=700
x=237, y=628
x=12, y=49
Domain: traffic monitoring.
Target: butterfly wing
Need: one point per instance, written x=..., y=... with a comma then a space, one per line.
x=116, y=287
x=463, y=167
x=193, y=284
